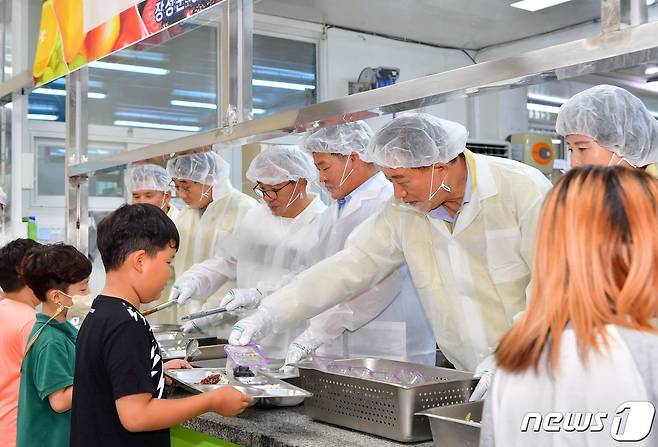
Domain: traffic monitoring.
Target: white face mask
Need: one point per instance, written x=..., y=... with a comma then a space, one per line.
x=620, y=161
x=76, y=300
x=293, y=197
x=426, y=206
x=343, y=177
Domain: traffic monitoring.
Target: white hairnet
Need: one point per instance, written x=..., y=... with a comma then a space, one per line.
x=207, y=168
x=616, y=119
x=279, y=164
x=341, y=139
x=3, y=196
x=148, y=177
x=415, y=140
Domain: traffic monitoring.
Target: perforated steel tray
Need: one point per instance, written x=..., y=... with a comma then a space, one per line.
x=456, y=425
x=382, y=409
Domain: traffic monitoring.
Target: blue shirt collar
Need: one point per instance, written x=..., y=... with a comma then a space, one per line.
x=441, y=212
x=342, y=202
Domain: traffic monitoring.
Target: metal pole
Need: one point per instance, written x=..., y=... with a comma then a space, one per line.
x=634, y=12
x=236, y=62
x=19, y=140
x=77, y=187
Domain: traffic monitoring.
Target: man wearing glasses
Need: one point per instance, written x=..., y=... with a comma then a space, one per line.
x=213, y=210
x=269, y=245
x=390, y=312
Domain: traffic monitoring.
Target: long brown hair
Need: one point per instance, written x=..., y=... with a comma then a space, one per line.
x=595, y=263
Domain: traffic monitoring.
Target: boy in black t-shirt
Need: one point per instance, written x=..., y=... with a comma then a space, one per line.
x=119, y=374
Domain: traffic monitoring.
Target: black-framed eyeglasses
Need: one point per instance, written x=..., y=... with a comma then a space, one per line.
x=185, y=189
x=271, y=194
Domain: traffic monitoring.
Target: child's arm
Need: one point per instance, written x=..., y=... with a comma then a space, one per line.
x=61, y=400
x=142, y=412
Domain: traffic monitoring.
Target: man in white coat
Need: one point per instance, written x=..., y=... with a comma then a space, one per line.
x=465, y=225
x=213, y=210
x=390, y=312
x=269, y=243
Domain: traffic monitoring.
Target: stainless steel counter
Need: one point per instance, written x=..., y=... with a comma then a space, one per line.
x=282, y=427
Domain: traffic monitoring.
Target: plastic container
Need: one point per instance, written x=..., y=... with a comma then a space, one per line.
x=243, y=358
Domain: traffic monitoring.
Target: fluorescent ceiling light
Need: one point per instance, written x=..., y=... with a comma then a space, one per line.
x=36, y=116
x=283, y=85
x=174, y=118
x=43, y=108
x=156, y=126
x=556, y=141
x=194, y=94
x=542, y=108
x=59, y=92
x=143, y=55
x=258, y=111
x=49, y=91
x=283, y=72
x=198, y=105
x=547, y=98
x=536, y=5
x=129, y=68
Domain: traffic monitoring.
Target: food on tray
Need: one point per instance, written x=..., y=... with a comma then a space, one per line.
x=243, y=371
x=213, y=379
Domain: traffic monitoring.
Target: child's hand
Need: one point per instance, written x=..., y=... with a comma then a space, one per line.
x=177, y=364
x=228, y=401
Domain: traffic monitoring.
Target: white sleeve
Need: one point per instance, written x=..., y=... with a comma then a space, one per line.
x=528, y=225
x=359, y=311
x=371, y=254
x=208, y=276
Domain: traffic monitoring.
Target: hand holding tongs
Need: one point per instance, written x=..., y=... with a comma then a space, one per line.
x=203, y=313
x=160, y=307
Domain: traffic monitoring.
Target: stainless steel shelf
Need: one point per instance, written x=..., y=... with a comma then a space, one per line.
x=615, y=49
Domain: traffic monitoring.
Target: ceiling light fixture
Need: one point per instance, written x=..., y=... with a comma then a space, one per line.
x=129, y=68
x=40, y=117
x=283, y=85
x=198, y=105
x=542, y=108
x=59, y=92
x=536, y=5
x=156, y=126
x=546, y=98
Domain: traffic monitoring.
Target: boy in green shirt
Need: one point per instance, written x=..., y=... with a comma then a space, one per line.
x=58, y=275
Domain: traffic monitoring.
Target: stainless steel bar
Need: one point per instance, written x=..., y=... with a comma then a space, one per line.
x=76, y=195
x=22, y=82
x=523, y=69
x=634, y=12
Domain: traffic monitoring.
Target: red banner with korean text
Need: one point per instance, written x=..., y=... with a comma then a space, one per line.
x=75, y=32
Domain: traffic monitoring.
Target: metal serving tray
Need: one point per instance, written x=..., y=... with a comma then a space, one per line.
x=173, y=342
x=379, y=408
x=450, y=427
x=267, y=391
